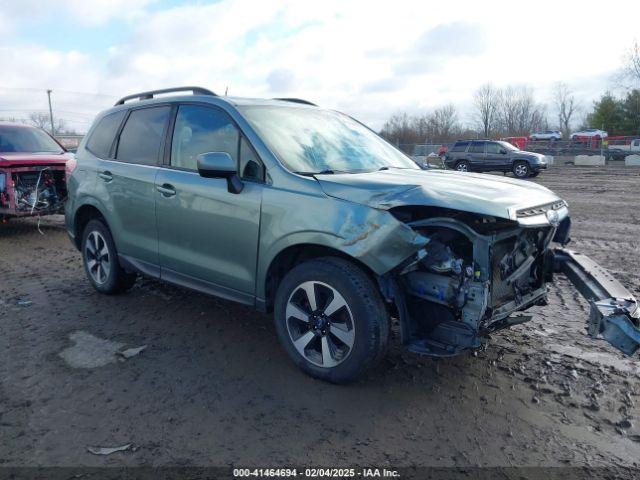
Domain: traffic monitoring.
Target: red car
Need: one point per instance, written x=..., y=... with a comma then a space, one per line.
x=32, y=172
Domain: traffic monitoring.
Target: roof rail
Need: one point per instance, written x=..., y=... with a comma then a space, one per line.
x=296, y=100
x=150, y=94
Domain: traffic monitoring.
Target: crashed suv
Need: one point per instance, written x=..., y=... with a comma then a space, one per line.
x=32, y=172
x=306, y=213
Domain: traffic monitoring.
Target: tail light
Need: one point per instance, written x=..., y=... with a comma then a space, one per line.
x=70, y=166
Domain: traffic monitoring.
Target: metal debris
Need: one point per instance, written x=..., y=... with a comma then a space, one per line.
x=131, y=352
x=24, y=303
x=109, y=450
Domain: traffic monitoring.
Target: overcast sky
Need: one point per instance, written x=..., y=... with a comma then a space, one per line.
x=370, y=59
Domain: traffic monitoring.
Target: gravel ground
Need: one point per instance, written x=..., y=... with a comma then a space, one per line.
x=214, y=388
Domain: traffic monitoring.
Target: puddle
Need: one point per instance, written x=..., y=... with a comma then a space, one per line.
x=90, y=351
x=602, y=358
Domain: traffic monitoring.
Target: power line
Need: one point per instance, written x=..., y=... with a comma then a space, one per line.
x=39, y=110
x=30, y=89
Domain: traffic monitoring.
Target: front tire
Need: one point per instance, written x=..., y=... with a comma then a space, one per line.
x=100, y=260
x=521, y=169
x=331, y=319
x=463, y=166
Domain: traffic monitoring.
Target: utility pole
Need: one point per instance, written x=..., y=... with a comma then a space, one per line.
x=53, y=130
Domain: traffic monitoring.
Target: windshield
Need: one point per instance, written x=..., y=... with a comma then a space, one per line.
x=508, y=146
x=26, y=140
x=310, y=141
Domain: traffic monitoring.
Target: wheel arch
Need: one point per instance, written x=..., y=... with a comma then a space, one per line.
x=294, y=255
x=520, y=159
x=83, y=215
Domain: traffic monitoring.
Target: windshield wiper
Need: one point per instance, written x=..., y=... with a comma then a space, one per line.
x=322, y=172
x=387, y=167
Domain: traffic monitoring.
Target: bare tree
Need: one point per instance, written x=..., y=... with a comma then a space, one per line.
x=631, y=68
x=12, y=119
x=566, y=106
x=486, y=100
x=443, y=123
x=518, y=112
x=401, y=129
x=439, y=126
x=42, y=120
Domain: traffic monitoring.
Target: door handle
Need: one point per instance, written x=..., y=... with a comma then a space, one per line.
x=166, y=190
x=106, y=176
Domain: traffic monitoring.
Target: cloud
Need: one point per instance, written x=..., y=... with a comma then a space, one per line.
x=356, y=56
x=88, y=12
x=96, y=12
x=384, y=85
x=440, y=44
x=281, y=81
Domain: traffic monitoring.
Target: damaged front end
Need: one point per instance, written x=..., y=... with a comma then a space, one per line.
x=32, y=190
x=476, y=272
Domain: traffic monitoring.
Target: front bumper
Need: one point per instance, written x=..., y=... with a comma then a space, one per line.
x=614, y=313
x=538, y=167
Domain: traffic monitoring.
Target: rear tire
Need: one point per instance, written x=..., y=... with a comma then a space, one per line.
x=335, y=345
x=100, y=260
x=521, y=169
x=463, y=166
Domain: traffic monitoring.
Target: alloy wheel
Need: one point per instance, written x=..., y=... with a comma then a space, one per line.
x=521, y=170
x=320, y=324
x=97, y=257
x=462, y=167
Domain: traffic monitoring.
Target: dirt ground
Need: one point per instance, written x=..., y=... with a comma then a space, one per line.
x=213, y=387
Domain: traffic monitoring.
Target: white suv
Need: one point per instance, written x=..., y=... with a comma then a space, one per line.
x=546, y=135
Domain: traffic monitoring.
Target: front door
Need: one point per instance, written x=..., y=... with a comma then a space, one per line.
x=208, y=236
x=497, y=157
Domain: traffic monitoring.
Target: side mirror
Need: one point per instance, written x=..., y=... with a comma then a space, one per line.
x=220, y=165
x=503, y=151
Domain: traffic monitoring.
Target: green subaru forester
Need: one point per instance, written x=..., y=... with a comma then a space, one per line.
x=307, y=213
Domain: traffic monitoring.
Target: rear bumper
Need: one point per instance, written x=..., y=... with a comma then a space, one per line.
x=614, y=313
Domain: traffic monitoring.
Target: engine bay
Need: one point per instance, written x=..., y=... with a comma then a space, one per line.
x=464, y=284
x=28, y=191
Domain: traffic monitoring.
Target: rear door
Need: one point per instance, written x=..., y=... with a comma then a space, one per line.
x=476, y=155
x=128, y=184
x=208, y=236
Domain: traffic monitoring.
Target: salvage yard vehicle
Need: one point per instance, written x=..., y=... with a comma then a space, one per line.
x=546, y=135
x=493, y=156
x=32, y=172
x=619, y=152
x=589, y=133
x=306, y=213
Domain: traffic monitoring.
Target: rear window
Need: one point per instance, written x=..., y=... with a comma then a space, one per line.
x=103, y=135
x=460, y=146
x=142, y=135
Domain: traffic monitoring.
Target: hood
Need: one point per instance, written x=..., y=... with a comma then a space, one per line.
x=469, y=192
x=33, y=159
x=525, y=153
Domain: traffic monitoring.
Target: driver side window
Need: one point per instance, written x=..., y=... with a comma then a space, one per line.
x=199, y=129
x=493, y=147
